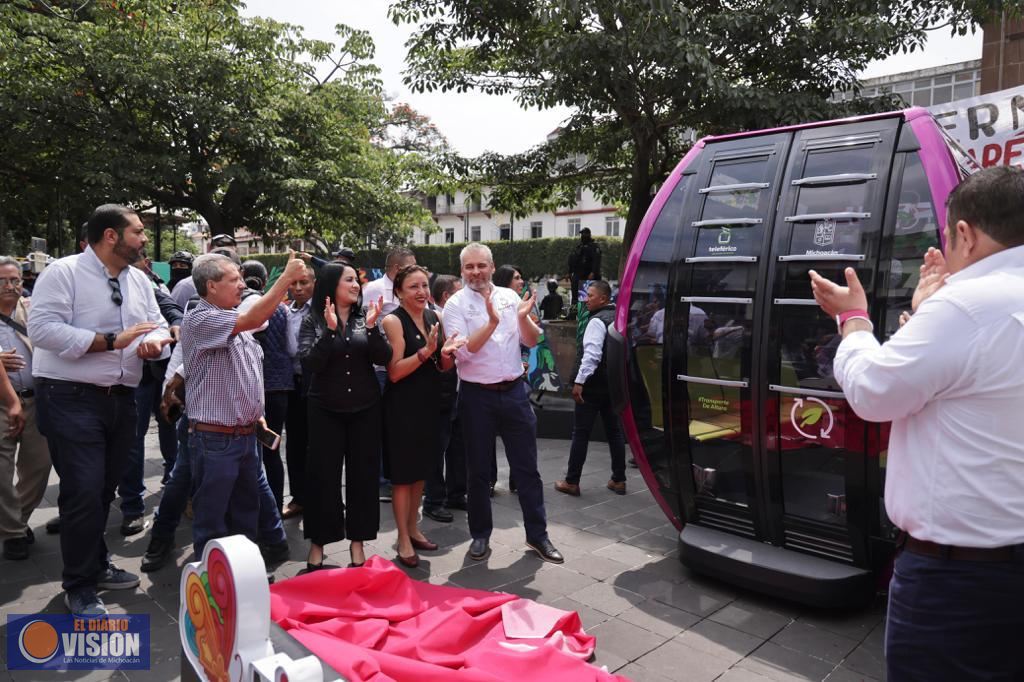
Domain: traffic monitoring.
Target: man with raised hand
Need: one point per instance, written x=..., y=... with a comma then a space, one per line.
x=224, y=396
x=951, y=380
x=493, y=399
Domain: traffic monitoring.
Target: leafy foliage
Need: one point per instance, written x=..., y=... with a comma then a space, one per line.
x=640, y=74
x=197, y=109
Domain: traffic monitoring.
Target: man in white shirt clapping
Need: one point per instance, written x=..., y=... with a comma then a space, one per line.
x=493, y=398
x=952, y=383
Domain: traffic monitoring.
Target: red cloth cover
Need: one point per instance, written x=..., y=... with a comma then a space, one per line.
x=375, y=623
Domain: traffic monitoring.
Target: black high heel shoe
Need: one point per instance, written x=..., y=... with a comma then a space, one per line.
x=353, y=564
x=314, y=567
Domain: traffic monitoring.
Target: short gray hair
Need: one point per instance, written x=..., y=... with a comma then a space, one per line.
x=209, y=267
x=475, y=246
x=7, y=260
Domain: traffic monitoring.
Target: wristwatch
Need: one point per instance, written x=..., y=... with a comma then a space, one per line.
x=110, y=337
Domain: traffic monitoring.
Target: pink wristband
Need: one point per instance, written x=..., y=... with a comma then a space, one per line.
x=843, y=318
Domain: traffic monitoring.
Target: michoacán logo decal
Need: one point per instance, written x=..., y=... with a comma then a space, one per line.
x=65, y=642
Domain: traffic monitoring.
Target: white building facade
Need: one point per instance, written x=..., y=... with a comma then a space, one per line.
x=461, y=219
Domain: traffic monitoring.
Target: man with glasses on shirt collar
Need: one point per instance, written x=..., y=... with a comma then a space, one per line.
x=94, y=320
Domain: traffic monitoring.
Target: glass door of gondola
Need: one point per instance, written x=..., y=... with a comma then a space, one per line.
x=716, y=304
x=830, y=216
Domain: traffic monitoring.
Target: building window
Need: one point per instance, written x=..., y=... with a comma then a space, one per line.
x=574, y=227
x=579, y=194
x=505, y=232
x=449, y=235
x=426, y=237
x=611, y=226
x=536, y=229
x=474, y=233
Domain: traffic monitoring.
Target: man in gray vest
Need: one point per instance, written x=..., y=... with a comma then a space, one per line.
x=592, y=396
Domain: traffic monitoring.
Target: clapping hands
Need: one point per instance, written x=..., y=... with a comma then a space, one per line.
x=934, y=274
x=373, y=312
x=330, y=314
x=452, y=344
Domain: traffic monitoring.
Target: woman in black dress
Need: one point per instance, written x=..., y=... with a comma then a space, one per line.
x=412, y=448
x=338, y=348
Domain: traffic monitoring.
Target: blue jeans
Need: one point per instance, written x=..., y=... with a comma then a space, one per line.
x=132, y=488
x=584, y=416
x=486, y=414
x=226, y=497
x=955, y=620
x=179, y=489
x=90, y=433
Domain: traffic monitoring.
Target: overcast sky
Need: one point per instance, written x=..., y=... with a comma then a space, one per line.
x=473, y=122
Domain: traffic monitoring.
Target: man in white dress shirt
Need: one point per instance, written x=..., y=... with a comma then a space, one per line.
x=952, y=383
x=493, y=399
x=94, y=319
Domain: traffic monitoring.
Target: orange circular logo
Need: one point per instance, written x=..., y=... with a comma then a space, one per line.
x=38, y=641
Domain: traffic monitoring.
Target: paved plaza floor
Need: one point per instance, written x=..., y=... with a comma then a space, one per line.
x=654, y=620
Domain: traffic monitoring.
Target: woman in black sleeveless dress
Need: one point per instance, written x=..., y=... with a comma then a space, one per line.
x=413, y=396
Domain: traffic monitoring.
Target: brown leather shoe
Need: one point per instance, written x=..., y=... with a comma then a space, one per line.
x=291, y=511
x=567, y=488
x=409, y=561
x=424, y=545
x=619, y=488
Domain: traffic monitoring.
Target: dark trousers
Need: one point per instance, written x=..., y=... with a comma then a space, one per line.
x=225, y=501
x=132, y=489
x=584, y=416
x=448, y=480
x=486, y=414
x=297, y=427
x=955, y=620
x=90, y=434
x=342, y=443
x=275, y=410
x=179, y=488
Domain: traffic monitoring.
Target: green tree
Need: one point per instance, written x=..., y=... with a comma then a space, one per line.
x=194, y=108
x=640, y=74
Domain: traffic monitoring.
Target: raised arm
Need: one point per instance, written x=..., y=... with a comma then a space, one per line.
x=260, y=312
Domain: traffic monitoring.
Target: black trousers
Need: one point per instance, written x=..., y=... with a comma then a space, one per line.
x=275, y=408
x=448, y=480
x=90, y=434
x=297, y=427
x=349, y=443
x=955, y=620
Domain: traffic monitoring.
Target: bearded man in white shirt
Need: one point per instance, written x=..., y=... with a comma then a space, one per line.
x=952, y=383
x=493, y=399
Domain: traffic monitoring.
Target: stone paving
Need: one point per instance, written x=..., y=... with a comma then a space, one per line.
x=654, y=620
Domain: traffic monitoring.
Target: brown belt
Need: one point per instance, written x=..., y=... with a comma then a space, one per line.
x=241, y=430
x=933, y=549
x=500, y=386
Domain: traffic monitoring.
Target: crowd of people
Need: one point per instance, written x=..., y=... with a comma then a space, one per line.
x=396, y=389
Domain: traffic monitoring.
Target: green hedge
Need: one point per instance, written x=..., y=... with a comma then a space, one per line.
x=537, y=257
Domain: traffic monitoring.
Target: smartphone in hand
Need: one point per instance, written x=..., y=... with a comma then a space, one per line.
x=266, y=437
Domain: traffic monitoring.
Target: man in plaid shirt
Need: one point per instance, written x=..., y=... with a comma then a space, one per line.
x=224, y=396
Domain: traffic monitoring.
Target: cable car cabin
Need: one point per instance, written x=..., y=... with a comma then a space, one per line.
x=725, y=360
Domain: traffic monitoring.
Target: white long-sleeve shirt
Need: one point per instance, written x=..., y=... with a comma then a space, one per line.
x=71, y=303
x=499, y=359
x=593, y=347
x=952, y=382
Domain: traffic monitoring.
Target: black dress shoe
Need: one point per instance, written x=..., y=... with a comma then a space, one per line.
x=133, y=525
x=546, y=551
x=275, y=553
x=438, y=514
x=16, y=549
x=30, y=536
x=53, y=526
x=479, y=549
x=157, y=554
